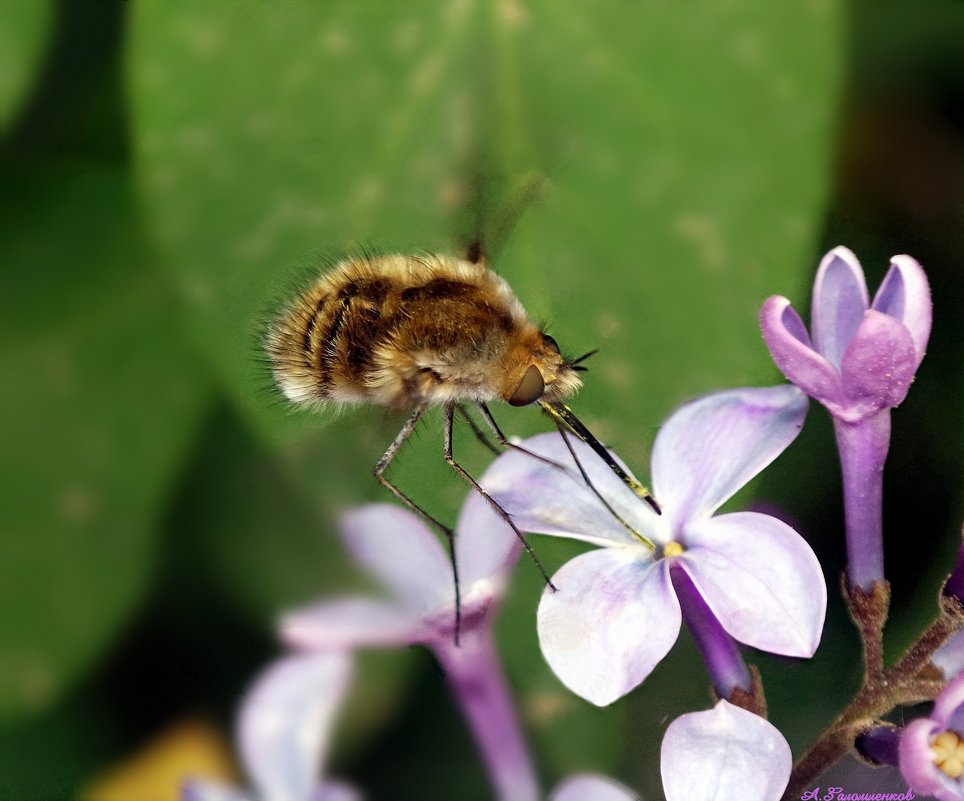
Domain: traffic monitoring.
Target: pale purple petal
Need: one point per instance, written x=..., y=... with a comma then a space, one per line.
x=723, y=754
x=713, y=446
x=474, y=673
x=948, y=703
x=790, y=347
x=204, y=790
x=906, y=295
x=286, y=722
x=586, y=787
x=397, y=547
x=949, y=658
x=878, y=365
x=613, y=618
x=349, y=623
x=548, y=500
x=336, y=791
x=839, y=303
x=761, y=580
x=917, y=758
x=485, y=547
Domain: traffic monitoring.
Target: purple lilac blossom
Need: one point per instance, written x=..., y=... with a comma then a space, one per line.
x=931, y=748
x=859, y=364
x=722, y=754
x=949, y=658
x=283, y=732
x=585, y=787
x=616, y=613
x=399, y=549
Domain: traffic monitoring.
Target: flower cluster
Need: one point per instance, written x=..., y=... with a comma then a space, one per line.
x=735, y=578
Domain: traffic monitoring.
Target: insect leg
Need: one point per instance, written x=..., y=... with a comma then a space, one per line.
x=449, y=413
x=585, y=477
x=476, y=430
x=490, y=420
x=379, y=472
x=562, y=414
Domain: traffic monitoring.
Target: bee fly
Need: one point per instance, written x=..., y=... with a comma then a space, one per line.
x=413, y=332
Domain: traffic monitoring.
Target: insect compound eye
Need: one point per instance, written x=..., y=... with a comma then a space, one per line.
x=530, y=389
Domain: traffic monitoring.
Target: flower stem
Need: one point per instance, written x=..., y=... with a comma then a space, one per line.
x=863, y=450
x=475, y=675
x=878, y=695
x=719, y=650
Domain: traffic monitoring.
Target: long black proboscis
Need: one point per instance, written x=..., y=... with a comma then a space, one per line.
x=559, y=411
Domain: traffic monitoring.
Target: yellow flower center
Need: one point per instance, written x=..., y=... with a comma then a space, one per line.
x=948, y=751
x=672, y=548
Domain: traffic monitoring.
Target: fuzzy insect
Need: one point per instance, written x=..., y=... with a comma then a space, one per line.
x=413, y=332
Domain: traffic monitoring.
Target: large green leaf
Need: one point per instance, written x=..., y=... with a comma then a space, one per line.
x=677, y=159
x=24, y=31
x=100, y=399
x=643, y=174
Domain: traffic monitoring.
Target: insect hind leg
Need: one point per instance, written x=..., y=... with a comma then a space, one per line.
x=496, y=507
x=379, y=472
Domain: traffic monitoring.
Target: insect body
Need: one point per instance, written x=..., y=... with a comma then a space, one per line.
x=412, y=332
x=402, y=331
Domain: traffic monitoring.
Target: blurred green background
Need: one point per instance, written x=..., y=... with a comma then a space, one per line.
x=643, y=174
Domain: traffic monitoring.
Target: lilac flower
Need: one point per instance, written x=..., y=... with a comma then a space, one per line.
x=616, y=612
x=283, y=732
x=584, y=787
x=859, y=364
x=949, y=658
x=395, y=546
x=932, y=748
x=722, y=754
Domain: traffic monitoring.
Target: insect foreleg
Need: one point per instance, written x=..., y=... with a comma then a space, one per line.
x=379, y=472
x=479, y=434
x=490, y=420
x=597, y=493
x=449, y=413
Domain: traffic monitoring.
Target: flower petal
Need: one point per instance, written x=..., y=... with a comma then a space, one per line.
x=346, y=623
x=917, y=758
x=548, y=500
x=613, y=618
x=711, y=447
x=485, y=547
x=761, y=580
x=722, y=754
x=203, y=790
x=878, y=365
x=839, y=303
x=397, y=547
x=906, y=295
x=286, y=721
x=792, y=352
x=948, y=702
x=586, y=787
x=949, y=658
x=336, y=791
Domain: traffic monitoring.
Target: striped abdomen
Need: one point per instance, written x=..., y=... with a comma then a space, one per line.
x=394, y=330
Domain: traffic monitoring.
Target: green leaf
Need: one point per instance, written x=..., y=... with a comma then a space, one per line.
x=24, y=29
x=644, y=175
x=101, y=398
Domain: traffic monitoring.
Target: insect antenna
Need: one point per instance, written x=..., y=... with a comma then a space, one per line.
x=379, y=472
x=581, y=359
x=562, y=414
x=496, y=507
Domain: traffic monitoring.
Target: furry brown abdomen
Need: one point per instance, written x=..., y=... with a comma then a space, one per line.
x=394, y=331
